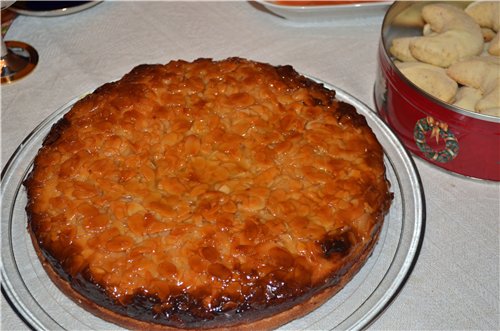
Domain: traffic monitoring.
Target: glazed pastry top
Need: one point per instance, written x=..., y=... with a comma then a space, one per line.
x=207, y=188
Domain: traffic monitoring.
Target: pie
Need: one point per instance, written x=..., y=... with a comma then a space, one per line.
x=226, y=194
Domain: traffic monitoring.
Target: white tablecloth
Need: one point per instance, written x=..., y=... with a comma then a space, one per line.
x=455, y=284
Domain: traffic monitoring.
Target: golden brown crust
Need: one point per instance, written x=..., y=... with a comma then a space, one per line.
x=211, y=194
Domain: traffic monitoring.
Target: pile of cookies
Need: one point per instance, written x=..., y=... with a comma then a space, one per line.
x=457, y=57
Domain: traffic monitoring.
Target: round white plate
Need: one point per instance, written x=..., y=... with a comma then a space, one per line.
x=323, y=13
x=44, y=307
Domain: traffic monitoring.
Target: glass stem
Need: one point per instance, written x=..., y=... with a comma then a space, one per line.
x=4, y=49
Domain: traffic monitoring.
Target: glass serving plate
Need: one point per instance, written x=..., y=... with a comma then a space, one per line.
x=44, y=307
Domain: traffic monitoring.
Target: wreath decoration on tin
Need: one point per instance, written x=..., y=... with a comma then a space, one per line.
x=438, y=130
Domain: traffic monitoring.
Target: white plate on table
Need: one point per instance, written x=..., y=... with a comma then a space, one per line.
x=40, y=303
x=321, y=13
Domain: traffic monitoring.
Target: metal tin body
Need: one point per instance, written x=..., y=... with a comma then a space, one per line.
x=451, y=138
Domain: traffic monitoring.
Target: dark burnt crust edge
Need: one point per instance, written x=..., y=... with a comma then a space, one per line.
x=101, y=305
x=252, y=323
x=272, y=317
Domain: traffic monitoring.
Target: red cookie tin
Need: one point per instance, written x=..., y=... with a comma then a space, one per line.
x=449, y=137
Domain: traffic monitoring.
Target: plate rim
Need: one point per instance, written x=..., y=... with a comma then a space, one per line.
x=298, y=8
x=324, y=13
x=56, y=12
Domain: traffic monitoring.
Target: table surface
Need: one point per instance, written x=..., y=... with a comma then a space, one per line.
x=455, y=283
